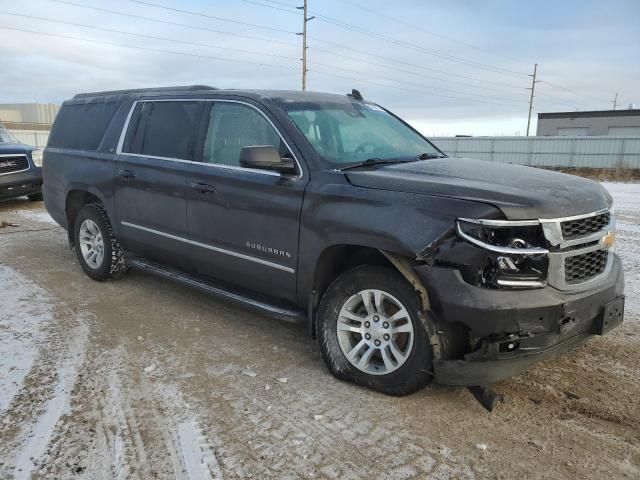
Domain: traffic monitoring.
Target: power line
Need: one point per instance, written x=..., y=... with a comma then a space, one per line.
x=422, y=92
x=248, y=51
x=384, y=37
x=141, y=35
x=153, y=37
x=408, y=72
x=412, y=46
x=391, y=59
x=422, y=29
x=167, y=22
x=205, y=15
x=343, y=25
x=474, y=95
x=148, y=49
x=560, y=87
x=253, y=2
x=263, y=39
x=395, y=41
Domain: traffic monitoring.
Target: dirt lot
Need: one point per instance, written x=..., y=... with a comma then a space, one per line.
x=143, y=379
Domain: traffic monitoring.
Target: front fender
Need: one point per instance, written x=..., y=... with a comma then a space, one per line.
x=338, y=213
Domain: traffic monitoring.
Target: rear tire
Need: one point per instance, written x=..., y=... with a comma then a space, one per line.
x=370, y=333
x=97, y=249
x=36, y=197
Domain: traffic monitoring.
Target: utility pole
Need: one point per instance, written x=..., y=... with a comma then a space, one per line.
x=305, y=20
x=533, y=87
x=615, y=101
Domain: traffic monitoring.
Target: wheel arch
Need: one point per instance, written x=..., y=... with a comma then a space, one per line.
x=338, y=259
x=77, y=198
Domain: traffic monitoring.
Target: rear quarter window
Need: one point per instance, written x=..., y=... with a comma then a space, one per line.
x=82, y=126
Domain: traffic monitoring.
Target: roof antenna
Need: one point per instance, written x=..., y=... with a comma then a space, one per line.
x=355, y=94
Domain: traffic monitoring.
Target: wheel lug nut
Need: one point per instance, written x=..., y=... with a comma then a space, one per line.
x=367, y=324
x=385, y=325
x=367, y=336
x=376, y=318
x=386, y=337
x=377, y=342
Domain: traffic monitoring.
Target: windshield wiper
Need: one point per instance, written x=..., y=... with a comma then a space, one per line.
x=374, y=161
x=429, y=156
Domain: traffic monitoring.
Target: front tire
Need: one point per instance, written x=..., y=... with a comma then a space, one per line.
x=370, y=332
x=97, y=249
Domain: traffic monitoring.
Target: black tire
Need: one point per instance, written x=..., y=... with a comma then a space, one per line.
x=417, y=370
x=113, y=264
x=36, y=197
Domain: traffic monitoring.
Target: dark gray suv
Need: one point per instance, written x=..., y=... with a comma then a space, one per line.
x=406, y=264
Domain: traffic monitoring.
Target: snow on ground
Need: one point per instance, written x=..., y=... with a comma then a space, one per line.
x=626, y=197
x=42, y=217
x=142, y=378
x=24, y=312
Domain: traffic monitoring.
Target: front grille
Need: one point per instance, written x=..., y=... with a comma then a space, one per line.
x=584, y=226
x=13, y=163
x=580, y=268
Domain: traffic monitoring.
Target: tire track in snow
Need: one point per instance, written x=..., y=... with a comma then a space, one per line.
x=25, y=310
x=40, y=432
x=46, y=346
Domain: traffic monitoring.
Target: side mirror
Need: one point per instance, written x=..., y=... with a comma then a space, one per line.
x=266, y=157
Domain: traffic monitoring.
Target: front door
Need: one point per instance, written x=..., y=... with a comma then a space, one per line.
x=243, y=223
x=151, y=199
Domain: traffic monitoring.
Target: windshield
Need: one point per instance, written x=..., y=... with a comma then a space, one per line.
x=351, y=133
x=6, y=137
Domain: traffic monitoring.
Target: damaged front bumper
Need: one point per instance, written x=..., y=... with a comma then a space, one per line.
x=505, y=332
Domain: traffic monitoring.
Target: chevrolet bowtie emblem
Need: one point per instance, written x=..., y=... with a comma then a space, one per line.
x=608, y=240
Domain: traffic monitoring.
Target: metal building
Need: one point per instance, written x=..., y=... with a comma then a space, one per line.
x=599, y=122
x=28, y=112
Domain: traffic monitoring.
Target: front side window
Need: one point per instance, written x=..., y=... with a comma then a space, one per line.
x=349, y=133
x=163, y=129
x=233, y=126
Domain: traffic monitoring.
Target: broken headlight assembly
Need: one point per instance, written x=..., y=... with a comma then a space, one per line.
x=514, y=253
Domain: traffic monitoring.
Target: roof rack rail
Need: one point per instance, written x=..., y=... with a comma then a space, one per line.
x=184, y=88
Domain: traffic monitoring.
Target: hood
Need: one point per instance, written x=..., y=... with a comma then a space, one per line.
x=9, y=148
x=521, y=193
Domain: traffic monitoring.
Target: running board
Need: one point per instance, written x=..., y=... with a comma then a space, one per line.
x=163, y=271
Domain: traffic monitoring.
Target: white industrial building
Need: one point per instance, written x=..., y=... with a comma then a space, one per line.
x=42, y=113
x=624, y=123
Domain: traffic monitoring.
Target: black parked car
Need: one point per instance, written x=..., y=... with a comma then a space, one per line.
x=408, y=265
x=20, y=168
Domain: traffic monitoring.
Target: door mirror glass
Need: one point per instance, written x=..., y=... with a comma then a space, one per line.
x=266, y=157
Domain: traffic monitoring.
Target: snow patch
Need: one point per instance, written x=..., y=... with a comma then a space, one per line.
x=42, y=217
x=199, y=460
x=57, y=406
x=25, y=310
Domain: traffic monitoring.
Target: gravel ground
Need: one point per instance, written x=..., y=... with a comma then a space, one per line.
x=141, y=379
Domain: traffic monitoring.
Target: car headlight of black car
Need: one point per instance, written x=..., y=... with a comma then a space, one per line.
x=515, y=254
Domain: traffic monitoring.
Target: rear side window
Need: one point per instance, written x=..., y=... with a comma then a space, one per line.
x=82, y=126
x=163, y=129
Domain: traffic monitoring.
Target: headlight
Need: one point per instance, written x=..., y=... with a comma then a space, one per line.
x=36, y=157
x=515, y=257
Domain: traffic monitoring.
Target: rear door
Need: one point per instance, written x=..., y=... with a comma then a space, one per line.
x=151, y=188
x=244, y=223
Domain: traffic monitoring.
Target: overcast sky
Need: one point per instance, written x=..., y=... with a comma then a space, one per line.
x=449, y=67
